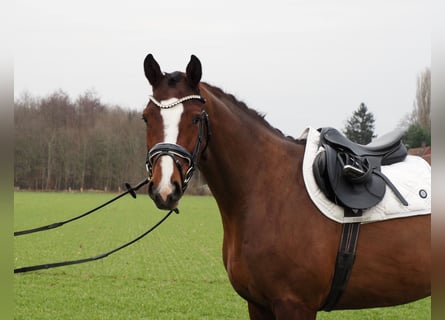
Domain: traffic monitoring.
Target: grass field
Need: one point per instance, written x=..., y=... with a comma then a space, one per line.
x=174, y=273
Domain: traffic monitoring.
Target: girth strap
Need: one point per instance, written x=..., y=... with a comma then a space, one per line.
x=345, y=260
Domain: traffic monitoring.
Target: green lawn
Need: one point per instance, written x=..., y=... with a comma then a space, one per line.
x=174, y=273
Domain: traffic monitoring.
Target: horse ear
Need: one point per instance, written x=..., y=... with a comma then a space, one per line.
x=152, y=70
x=194, y=71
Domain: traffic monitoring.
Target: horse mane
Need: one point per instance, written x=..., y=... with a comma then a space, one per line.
x=260, y=117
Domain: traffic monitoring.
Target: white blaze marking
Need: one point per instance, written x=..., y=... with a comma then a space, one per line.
x=171, y=118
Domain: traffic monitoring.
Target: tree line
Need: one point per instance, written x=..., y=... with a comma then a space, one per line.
x=61, y=144
x=83, y=144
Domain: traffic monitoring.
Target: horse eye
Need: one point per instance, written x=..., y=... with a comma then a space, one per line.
x=145, y=119
x=196, y=119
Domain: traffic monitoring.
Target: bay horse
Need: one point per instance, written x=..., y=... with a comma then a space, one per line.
x=278, y=249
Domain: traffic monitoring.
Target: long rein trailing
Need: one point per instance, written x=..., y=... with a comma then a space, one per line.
x=132, y=191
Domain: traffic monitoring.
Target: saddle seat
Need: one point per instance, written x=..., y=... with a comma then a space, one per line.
x=350, y=173
x=388, y=147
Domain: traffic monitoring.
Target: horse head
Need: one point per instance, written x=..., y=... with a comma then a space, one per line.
x=175, y=126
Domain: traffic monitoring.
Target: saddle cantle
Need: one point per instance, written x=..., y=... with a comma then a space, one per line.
x=350, y=174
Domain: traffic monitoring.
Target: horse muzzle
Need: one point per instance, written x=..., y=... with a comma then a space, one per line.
x=166, y=187
x=167, y=197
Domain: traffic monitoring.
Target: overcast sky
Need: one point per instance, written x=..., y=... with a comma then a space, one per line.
x=299, y=62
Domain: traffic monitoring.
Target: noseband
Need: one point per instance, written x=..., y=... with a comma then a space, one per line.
x=176, y=151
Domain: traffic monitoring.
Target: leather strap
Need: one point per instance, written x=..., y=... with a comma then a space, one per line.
x=98, y=257
x=345, y=260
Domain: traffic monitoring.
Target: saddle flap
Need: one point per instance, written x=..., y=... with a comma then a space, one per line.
x=341, y=189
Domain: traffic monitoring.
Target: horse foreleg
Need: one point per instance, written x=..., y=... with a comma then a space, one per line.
x=257, y=312
x=282, y=310
x=293, y=311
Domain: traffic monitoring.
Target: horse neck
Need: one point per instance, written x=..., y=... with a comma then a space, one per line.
x=242, y=154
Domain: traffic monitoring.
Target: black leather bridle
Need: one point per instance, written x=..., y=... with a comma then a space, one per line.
x=176, y=151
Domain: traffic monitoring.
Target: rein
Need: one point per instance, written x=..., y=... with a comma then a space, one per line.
x=132, y=191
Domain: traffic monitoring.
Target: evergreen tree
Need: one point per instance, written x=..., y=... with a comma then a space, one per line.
x=360, y=127
x=415, y=136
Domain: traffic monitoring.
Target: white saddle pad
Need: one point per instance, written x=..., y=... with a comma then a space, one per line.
x=412, y=178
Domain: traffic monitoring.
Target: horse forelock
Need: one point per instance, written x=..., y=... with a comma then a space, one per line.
x=173, y=78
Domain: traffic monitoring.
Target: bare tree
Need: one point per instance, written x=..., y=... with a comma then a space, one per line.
x=422, y=103
x=83, y=144
x=418, y=125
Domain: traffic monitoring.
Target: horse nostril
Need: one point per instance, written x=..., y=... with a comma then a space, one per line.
x=177, y=190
